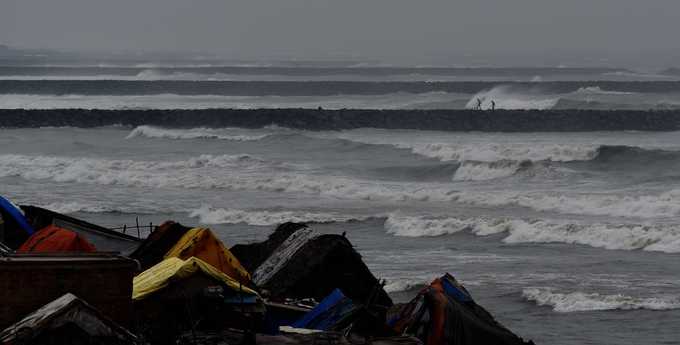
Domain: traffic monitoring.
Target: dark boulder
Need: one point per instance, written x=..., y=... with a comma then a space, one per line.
x=253, y=255
x=304, y=264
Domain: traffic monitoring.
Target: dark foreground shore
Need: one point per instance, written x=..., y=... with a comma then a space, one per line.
x=68, y=281
x=319, y=119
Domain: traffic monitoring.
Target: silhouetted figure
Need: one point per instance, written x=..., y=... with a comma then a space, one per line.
x=479, y=104
x=493, y=105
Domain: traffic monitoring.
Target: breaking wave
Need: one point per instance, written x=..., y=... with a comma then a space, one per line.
x=508, y=97
x=484, y=161
x=193, y=133
x=665, y=204
x=445, y=147
x=515, y=156
x=246, y=172
x=581, y=301
x=492, y=160
x=514, y=97
x=493, y=152
x=419, y=226
x=508, y=157
x=399, y=285
x=475, y=162
x=662, y=238
x=479, y=171
x=209, y=215
x=490, y=152
x=191, y=173
x=596, y=90
x=609, y=153
x=75, y=206
x=209, y=172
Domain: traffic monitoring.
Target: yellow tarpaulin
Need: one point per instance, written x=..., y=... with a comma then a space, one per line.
x=202, y=243
x=173, y=269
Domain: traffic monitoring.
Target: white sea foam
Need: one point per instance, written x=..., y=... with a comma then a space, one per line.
x=663, y=238
x=193, y=133
x=665, y=204
x=582, y=301
x=407, y=284
x=639, y=75
x=596, y=90
x=74, y=206
x=479, y=151
x=196, y=172
x=208, y=172
x=419, y=226
x=492, y=152
x=479, y=171
x=507, y=97
x=512, y=97
x=77, y=206
x=210, y=215
x=250, y=173
x=484, y=160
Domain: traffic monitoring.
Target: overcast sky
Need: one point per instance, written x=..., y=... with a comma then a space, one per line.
x=418, y=31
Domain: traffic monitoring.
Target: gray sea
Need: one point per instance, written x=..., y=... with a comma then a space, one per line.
x=566, y=238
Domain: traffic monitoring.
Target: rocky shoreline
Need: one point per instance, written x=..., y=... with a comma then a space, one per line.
x=322, y=119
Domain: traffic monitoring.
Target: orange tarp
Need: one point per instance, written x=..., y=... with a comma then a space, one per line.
x=202, y=243
x=53, y=239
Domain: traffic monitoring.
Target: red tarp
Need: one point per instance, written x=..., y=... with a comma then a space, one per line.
x=52, y=239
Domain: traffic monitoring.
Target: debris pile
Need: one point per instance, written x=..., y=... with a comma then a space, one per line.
x=70, y=281
x=307, y=264
x=445, y=313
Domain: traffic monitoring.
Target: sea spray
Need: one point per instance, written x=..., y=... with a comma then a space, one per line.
x=582, y=301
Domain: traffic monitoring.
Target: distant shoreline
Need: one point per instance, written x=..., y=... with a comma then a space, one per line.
x=343, y=119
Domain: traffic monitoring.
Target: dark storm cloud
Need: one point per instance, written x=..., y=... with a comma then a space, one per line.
x=398, y=30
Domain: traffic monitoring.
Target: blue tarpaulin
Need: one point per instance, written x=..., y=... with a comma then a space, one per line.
x=328, y=313
x=455, y=290
x=16, y=214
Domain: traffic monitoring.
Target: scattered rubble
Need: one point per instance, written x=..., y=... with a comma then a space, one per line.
x=61, y=284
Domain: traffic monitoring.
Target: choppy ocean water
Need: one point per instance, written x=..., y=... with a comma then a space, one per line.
x=564, y=237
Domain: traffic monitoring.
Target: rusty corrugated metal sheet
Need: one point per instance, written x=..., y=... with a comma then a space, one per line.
x=29, y=281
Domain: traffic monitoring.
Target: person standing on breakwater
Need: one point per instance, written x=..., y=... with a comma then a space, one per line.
x=479, y=104
x=493, y=105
